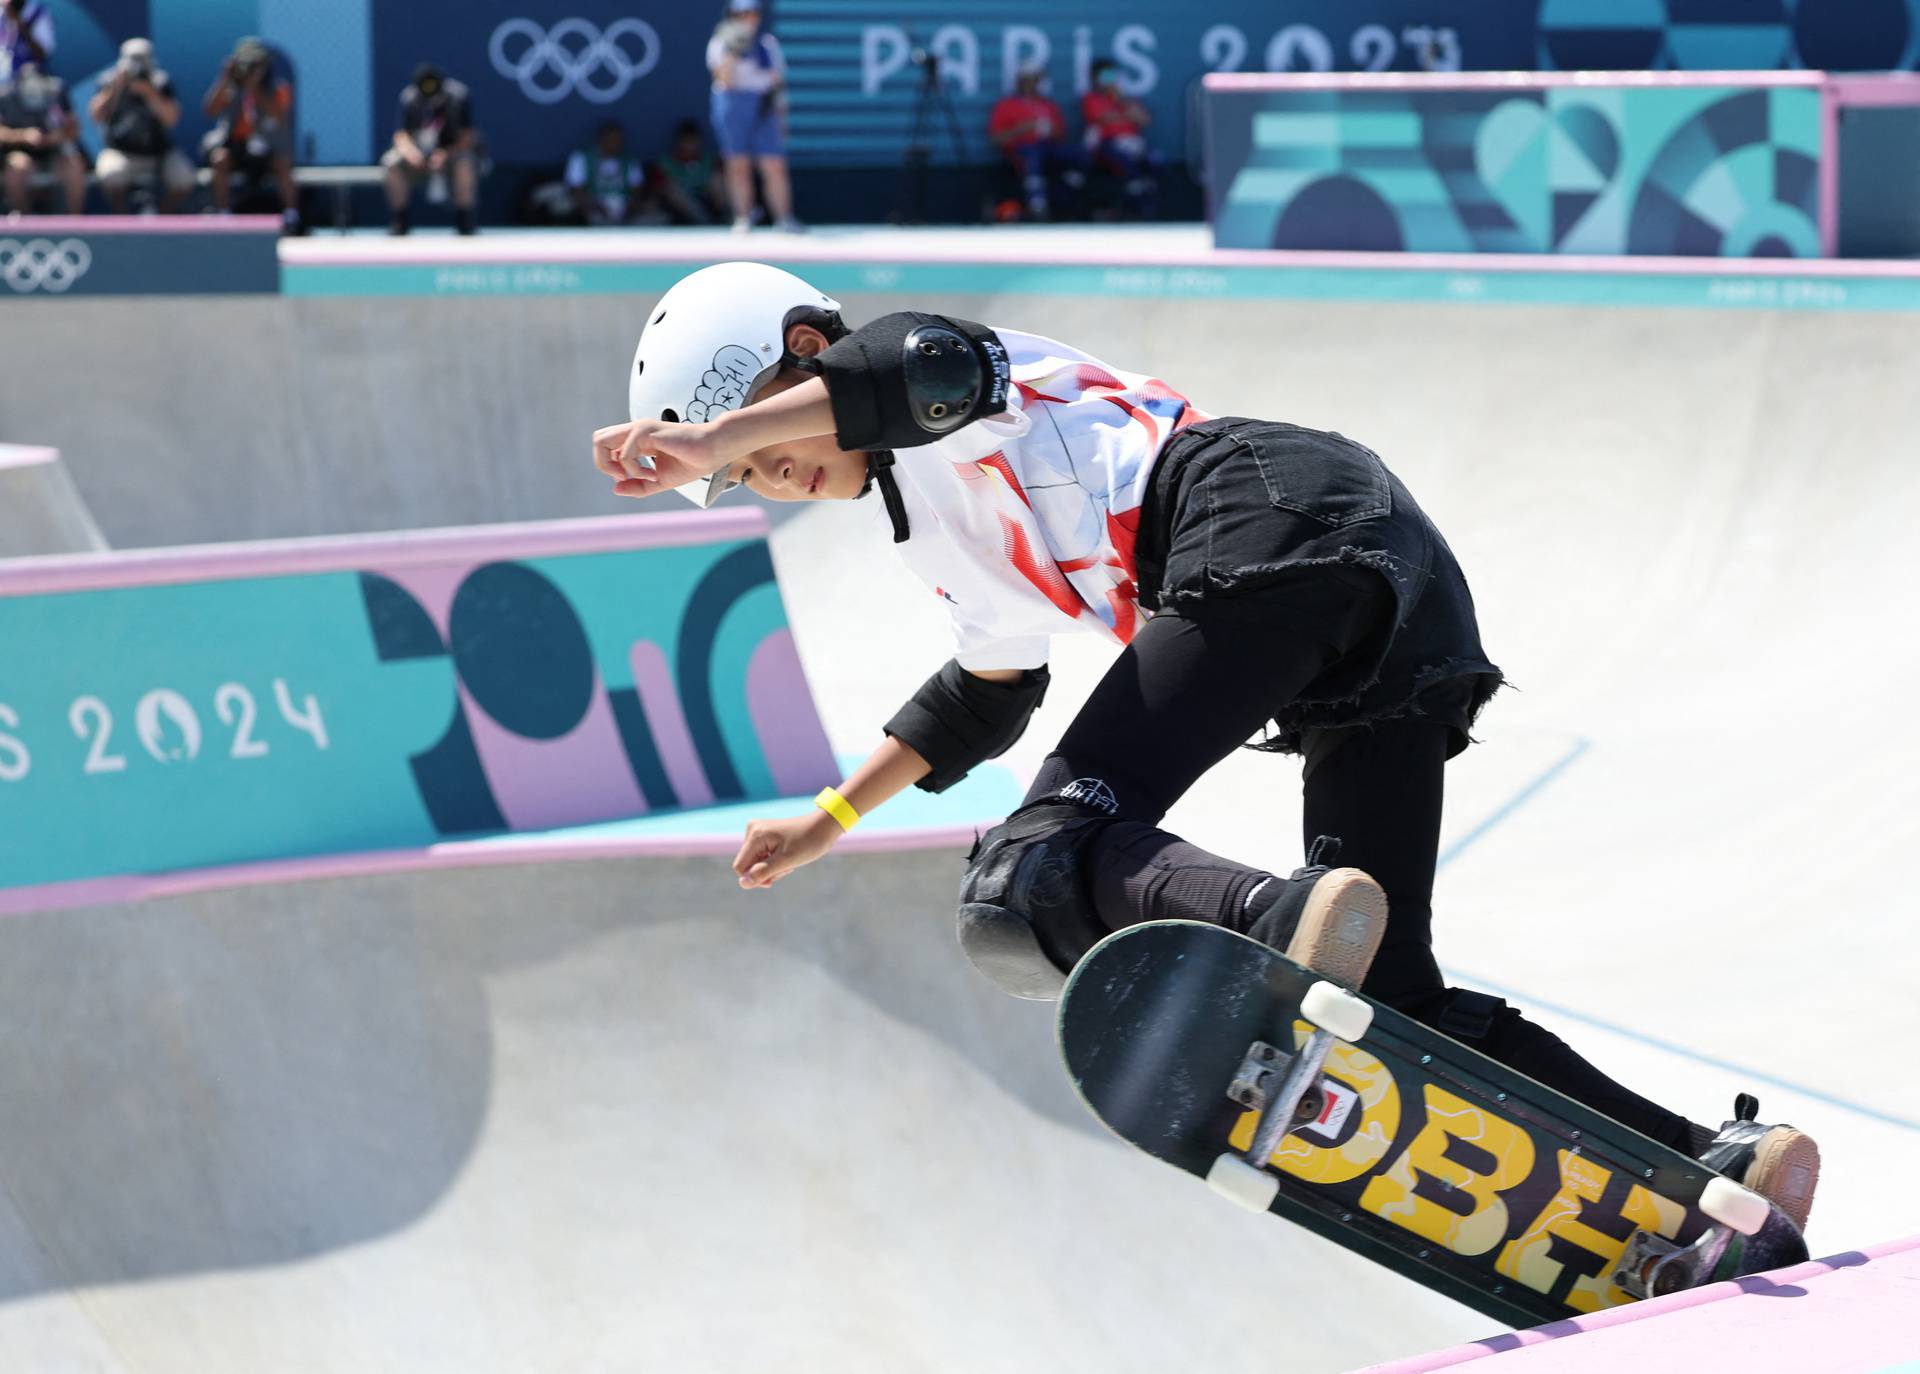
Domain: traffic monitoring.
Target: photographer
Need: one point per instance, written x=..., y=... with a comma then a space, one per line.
x=26, y=36
x=253, y=133
x=136, y=110
x=749, y=113
x=37, y=133
x=433, y=141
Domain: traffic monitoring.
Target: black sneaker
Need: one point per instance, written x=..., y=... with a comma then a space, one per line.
x=1330, y=919
x=1781, y=1163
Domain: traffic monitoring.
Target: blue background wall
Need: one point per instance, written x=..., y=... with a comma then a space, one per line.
x=854, y=85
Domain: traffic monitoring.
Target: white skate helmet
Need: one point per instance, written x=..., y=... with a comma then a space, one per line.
x=713, y=341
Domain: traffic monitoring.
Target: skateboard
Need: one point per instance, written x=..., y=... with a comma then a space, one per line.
x=1293, y=1095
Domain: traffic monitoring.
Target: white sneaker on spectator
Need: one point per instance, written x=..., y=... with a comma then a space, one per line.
x=790, y=225
x=741, y=224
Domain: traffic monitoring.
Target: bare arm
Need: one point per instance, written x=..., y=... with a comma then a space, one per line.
x=889, y=770
x=220, y=93
x=773, y=849
x=799, y=412
x=165, y=107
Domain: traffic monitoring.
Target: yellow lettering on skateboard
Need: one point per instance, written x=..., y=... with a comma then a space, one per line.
x=1529, y=1256
x=1379, y=1108
x=1446, y=1186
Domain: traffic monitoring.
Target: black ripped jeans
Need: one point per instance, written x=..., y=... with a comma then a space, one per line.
x=1188, y=691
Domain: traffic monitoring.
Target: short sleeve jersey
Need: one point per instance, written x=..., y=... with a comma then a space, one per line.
x=439, y=122
x=1010, y=112
x=1097, y=105
x=35, y=22
x=1023, y=523
x=36, y=101
x=756, y=70
x=131, y=126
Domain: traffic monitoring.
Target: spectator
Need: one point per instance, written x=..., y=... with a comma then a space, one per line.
x=37, y=133
x=1116, y=137
x=433, y=142
x=26, y=36
x=750, y=113
x=608, y=187
x=1030, y=130
x=685, y=178
x=252, y=107
x=136, y=110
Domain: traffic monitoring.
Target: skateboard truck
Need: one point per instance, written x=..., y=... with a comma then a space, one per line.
x=1285, y=1090
x=1652, y=1266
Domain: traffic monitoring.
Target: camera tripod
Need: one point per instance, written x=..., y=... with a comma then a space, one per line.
x=932, y=109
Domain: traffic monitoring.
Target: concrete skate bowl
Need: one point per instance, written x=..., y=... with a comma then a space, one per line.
x=612, y=1115
x=1688, y=533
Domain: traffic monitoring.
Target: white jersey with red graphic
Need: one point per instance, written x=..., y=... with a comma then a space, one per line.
x=1024, y=522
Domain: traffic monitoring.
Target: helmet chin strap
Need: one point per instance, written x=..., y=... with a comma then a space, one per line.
x=880, y=473
x=879, y=465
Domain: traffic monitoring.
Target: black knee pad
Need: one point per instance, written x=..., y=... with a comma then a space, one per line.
x=1026, y=915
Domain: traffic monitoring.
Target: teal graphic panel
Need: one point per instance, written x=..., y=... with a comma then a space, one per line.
x=153, y=727
x=1681, y=170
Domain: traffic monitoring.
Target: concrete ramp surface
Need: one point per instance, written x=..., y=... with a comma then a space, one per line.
x=617, y=1116
x=593, y=1117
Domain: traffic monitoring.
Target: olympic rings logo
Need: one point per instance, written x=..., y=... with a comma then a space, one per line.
x=573, y=58
x=43, y=264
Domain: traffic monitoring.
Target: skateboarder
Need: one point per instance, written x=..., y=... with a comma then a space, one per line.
x=1259, y=576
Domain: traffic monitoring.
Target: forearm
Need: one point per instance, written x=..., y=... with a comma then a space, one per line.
x=799, y=412
x=888, y=771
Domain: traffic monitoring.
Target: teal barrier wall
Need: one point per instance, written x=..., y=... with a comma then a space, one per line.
x=390, y=703
x=1668, y=170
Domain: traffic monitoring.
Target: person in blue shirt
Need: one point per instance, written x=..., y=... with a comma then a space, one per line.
x=749, y=114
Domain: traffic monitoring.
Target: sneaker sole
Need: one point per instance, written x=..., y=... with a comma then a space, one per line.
x=1785, y=1170
x=1341, y=927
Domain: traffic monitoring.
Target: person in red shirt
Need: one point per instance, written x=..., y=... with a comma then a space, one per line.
x=1031, y=131
x=1116, y=137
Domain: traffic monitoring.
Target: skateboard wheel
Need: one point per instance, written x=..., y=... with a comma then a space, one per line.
x=1334, y=1009
x=1733, y=1206
x=1238, y=1181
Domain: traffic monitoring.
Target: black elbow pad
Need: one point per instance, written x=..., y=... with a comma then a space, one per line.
x=908, y=379
x=943, y=377
x=957, y=721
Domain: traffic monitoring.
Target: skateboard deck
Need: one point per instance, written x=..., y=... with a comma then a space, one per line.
x=1402, y=1145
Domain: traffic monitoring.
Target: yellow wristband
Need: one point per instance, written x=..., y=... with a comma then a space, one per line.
x=838, y=807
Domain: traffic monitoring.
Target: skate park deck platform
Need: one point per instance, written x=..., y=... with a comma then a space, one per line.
x=415, y=1120
x=41, y=511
